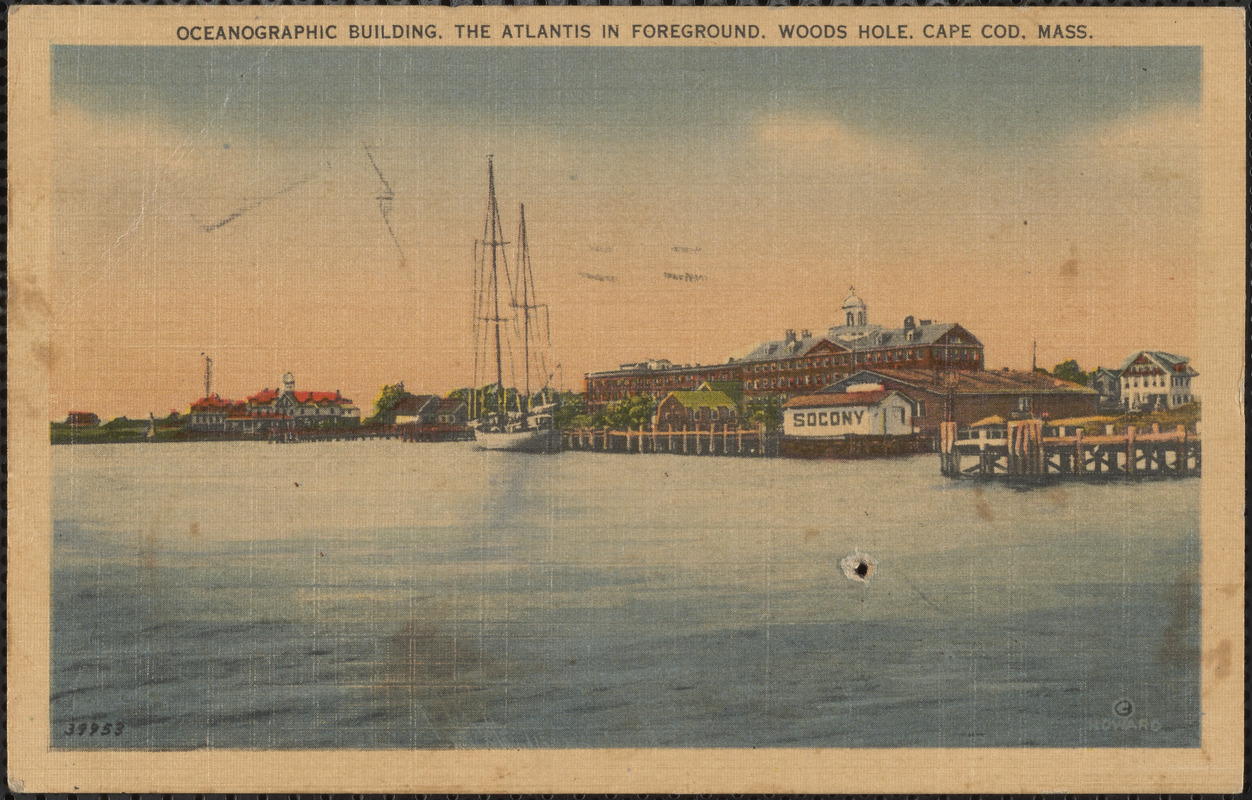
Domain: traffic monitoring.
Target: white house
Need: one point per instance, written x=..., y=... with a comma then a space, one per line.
x=864, y=410
x=1154, y=379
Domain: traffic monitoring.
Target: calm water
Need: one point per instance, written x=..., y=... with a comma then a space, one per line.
x=380, y=594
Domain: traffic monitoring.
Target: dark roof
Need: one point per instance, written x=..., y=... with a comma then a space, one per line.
x=783, y=348
x=637, y=369
x=1168, y=362
x=871, y=337
x=967, y=382
x=824, y=400
x=413, y=404
x=858, y=337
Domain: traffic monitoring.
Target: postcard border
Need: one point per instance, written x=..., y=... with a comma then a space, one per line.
x=1215, y=766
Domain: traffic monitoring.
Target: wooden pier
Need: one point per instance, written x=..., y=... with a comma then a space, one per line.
x=1029, y=449
x=855, y=447
x=405, y=433
x=725, y=442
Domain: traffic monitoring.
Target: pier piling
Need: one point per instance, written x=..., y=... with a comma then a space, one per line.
x=1023, y=449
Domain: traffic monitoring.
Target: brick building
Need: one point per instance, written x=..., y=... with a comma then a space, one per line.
x=655, y=378
x=702, y=410
x=798, y=364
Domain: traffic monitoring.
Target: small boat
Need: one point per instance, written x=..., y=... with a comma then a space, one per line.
x=528, y=428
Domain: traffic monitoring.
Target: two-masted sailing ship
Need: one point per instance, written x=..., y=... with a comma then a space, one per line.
x=523, y=422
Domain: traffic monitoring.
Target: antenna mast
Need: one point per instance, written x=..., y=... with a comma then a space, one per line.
x=208, y=376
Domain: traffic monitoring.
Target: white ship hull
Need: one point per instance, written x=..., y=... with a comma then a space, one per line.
x=543, y=440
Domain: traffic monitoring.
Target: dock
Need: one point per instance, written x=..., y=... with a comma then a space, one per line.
x=694, y=442
x=405, y=433
x=1031, y=449
x=855, y=447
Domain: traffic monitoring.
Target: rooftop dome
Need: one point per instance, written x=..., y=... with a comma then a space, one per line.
x=852, y=301
x=855, y=313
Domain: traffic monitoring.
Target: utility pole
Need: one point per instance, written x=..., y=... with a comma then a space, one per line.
x=208, y=377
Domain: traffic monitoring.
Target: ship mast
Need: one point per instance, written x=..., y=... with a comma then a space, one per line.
x=523, y=268
x=526, y=281
x=496, y=232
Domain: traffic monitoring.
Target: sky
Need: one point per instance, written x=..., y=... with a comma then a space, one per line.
x=222, y=201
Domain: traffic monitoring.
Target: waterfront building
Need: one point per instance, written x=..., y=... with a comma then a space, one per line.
x=1152, y=379
x=82, y=419
x=451, y=411
x=304, y=409
x=241, y=420
x=210, y=413
x=976, y=395
x=272, y=409
x=700, y=410
x=415, y=408
x=655, y=378
x=863, y=410
x=1108, y=384
x=801, y=363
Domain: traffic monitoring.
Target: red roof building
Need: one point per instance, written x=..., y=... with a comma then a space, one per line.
x=274, y=409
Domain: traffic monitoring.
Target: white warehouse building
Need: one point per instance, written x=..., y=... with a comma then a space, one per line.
x=863, y=410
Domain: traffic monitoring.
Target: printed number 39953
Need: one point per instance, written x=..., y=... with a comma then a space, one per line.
x=95, y=728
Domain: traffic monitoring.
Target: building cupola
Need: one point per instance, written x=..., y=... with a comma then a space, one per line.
x=854, y=309
x=289, y=382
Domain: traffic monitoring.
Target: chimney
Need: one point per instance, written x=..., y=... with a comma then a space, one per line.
x=790, y=336
x=806, y=334
x=908, y=323
x=926, y=322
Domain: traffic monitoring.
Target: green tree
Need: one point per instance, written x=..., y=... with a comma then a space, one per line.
x=628, y=413
x=1070, y=371
x=765, y=411
x=570, y=411
x=387, y=399
x=123, y=422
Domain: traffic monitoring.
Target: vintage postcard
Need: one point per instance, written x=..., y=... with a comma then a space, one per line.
x=499, y=399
